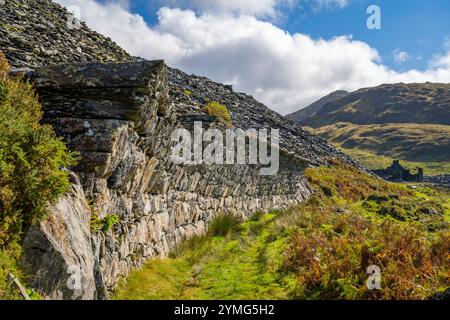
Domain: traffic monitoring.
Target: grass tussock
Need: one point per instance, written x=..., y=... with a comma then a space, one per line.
x=220, y=111
x=320, y=249
x=223, y=225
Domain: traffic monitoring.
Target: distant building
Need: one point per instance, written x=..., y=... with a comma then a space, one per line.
x=396, y=172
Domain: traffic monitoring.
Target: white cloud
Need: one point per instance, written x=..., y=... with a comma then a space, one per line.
x=320, y=4
x=282, y=70
x=400, y=56
x=267, y=8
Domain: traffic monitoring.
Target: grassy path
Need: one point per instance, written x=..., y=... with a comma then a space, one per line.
x=240, y=265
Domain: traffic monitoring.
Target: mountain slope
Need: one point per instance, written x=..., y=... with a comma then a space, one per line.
x=389, y=103
x=412, y=142
x=409, y=122
x=312, y=109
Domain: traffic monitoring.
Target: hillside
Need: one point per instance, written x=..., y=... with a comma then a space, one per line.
x=412, y=142
x=312, y=109
x=427, y=103
x=409, y=122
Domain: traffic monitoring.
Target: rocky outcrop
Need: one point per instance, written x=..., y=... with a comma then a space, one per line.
x=58, y=252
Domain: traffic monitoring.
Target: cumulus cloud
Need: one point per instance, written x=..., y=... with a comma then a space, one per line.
x=285, y=71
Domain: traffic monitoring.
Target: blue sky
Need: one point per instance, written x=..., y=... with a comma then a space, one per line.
x=286, y=53
x=417, y=27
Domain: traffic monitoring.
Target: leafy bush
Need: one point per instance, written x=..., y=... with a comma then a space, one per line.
x=220, y=111
x=32, y=158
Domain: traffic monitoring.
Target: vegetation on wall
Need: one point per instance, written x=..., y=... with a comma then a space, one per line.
x=32, y=158
x=220, y=111
x=104, y=224
x=32, y=168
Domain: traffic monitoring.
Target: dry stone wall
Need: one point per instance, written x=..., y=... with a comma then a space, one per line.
x=120, y=118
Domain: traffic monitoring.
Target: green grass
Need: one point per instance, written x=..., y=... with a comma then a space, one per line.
x=236, y=266
x=318, y=250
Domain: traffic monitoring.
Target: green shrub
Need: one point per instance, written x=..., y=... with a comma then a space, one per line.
x=187, y=92
x=220, y=111
x=104, y=224
x=110, y=221
x=223, y=225
x=32, y=158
